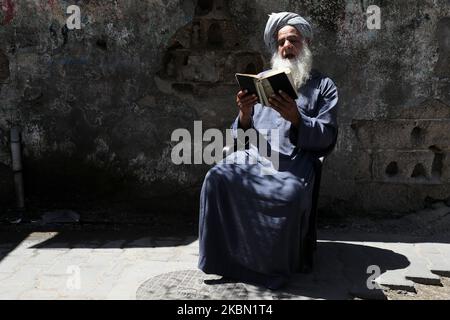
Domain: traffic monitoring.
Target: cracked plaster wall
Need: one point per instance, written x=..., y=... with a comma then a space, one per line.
x=97, y=106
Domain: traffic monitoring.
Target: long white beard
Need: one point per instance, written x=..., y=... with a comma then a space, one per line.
x=300, y=66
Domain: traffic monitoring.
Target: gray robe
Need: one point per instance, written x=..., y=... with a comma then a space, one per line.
x=251, y=223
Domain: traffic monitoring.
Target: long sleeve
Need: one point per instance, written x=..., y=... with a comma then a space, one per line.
x=318, y=133
x=237, y=125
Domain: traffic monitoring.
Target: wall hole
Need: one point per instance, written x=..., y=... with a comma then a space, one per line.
x=438, y=161
x=419, y=171
x=204, y=7
x=392, y=169
x=186, y=60
x=215, y=35
x=417, y=135
x=169, y=64
x=101, y=43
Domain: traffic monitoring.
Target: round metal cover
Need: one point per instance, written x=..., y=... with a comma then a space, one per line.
x=189, y=284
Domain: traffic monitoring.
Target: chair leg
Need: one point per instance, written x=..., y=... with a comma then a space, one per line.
x=309, y=245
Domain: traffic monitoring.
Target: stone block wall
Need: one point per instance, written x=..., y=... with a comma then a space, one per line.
x=97, y=106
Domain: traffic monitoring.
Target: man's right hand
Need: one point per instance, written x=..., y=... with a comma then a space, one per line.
x=245, y=102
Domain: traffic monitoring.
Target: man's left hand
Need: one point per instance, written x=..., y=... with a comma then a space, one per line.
x=286, y=107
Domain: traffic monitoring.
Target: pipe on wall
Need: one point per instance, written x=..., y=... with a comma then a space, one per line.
x=16, y=157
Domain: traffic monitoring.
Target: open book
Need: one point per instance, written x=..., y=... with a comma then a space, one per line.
x=267, y=83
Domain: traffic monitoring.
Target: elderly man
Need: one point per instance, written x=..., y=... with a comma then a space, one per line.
x=252, y=224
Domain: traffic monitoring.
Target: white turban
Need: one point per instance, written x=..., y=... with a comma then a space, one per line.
x=281, y=19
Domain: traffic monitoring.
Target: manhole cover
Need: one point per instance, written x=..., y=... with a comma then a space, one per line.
x=188, y=284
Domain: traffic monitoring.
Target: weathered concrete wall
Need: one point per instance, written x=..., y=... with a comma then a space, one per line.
x=98, y=105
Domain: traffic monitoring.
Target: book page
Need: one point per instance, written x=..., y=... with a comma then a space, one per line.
x=246, y=75
x=267, y=90
x=260, y=93
x=271, y=72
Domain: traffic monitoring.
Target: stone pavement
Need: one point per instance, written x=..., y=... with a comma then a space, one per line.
x=124, y=265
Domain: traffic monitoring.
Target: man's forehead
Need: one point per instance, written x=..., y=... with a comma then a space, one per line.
x=288, y=31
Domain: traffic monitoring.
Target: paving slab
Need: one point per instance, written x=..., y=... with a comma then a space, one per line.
x=39, y=268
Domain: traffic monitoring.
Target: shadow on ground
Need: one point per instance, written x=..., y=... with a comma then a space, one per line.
x=113, y=240
x=345, y=271
x=91, y=238
x=9, y=241
x=341, y=272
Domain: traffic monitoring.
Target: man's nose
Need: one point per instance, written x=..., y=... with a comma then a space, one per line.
x=287, y=44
